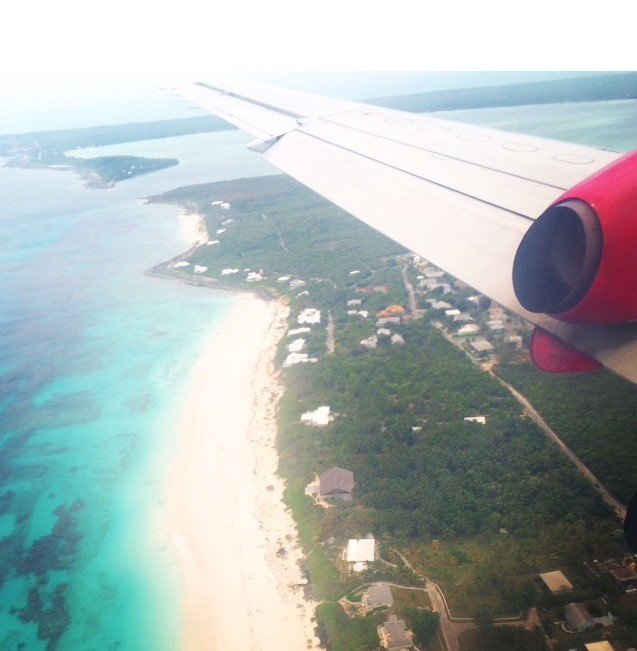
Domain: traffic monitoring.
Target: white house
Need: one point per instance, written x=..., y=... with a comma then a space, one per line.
x=468, y=330
x=476, y=419
x=310, y=315
x=296, y=346
x=319, y=417
x=360, y=552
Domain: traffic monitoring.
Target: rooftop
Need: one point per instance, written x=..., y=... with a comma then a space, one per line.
x=556, y=581
x=336, y=480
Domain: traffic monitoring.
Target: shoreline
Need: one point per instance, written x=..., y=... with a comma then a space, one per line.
x=234, y=537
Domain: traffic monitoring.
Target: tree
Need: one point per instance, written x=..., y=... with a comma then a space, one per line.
x=424, y=624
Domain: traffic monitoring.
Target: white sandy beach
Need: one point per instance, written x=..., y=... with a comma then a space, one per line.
x=229, y=523
x=193, y=228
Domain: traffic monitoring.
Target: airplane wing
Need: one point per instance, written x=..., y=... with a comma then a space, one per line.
x=465, y=198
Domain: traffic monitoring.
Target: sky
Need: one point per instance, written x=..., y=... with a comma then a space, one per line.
x=80, y=60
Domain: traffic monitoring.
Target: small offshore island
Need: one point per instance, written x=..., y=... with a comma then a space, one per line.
x=50, y=149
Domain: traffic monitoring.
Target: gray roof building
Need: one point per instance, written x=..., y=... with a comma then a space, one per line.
x=578, y=618
x=377, y=596
x=394, y=636
x=336, y=483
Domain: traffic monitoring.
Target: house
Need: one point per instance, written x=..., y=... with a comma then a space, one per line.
x=392, y=311
x=296, y=346
x=578, y=619
x=476, y=419
x=377, y=595
x=556, y=582
x=310, y=315
x=255, y=277
x=298, y=358
x=359, y=553
x=394, y=636
x=336, y=483
x=600, y=646
x=388, y=319
x=481, y=346
x=439, y=305
x=319, y=417
x=298, y=331
x=469, y=330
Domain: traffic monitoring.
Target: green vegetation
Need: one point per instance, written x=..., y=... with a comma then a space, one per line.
x=502, y=638
x=47, y=149
x=64, y=140
x=343, y=633
x=595, y=414
x=579, y=89
x=277, y=225
x=480, y=509
x=423, y=623
x=105, y=171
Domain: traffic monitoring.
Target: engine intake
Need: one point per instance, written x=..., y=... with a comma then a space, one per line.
x=578, y=261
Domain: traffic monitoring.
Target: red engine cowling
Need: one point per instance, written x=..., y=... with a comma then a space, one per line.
x=578, y=261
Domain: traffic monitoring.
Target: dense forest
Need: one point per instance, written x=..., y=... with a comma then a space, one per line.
x=595, y=414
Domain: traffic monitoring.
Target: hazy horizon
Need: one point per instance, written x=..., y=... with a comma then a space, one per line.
x=48, y=103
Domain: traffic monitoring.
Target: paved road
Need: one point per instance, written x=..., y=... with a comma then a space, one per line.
x=450, y=631
x=330, y=343
x=413, y=303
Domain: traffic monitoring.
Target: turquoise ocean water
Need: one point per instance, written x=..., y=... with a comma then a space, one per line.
x=94, y=360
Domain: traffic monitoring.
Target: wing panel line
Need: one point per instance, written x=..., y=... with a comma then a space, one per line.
x=443, y=154
x=417, y=176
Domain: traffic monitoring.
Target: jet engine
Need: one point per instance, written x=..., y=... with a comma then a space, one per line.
x=578, y=261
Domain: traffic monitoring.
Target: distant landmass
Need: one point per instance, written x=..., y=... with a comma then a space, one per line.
x=48, y=148
x=67, y=139
x=579, y=89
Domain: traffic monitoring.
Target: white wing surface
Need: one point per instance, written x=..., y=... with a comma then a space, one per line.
x=460, y=196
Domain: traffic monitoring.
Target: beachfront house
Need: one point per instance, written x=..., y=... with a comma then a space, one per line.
x=320, y=417
x=336, y=483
